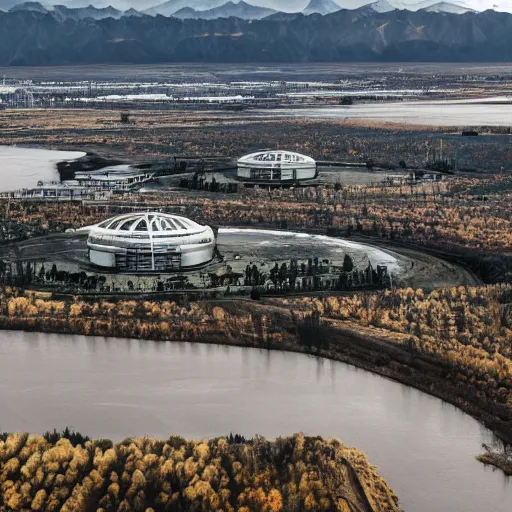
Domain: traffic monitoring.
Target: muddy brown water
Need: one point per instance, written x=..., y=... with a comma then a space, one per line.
x=117, y=388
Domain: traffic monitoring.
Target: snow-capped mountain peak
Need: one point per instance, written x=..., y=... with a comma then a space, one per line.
x=382, y=6
x=449, y=8
x=452, y=6
x=321, y=7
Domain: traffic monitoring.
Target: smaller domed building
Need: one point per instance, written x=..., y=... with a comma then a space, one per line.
x=150, y=242
x=276, y=166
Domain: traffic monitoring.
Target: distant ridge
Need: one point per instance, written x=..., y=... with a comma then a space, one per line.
x=81, y=13
x=170, y=7
x=62, y=12
x=29, y=6
x=133, y=12
x=33, y=38
x=241, y=10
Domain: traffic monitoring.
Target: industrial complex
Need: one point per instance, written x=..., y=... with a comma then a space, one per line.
x=150, y=247
x=97, y=178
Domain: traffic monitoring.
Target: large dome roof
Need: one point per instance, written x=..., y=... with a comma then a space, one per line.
x=284, y=157
x=149, y=242
x=149, y=223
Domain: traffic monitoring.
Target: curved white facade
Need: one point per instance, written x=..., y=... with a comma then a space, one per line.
x=149, y=242
x=276, y=166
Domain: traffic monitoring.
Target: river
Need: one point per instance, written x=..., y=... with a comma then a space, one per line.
x=24, y=167
x=117, y=388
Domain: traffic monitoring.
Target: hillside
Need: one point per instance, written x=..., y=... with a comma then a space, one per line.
x=33, y=38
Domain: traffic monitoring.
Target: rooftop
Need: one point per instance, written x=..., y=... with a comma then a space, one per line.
x=277, y=156
x=148, y=222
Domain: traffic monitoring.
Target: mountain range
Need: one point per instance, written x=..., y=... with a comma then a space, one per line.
x=61, y=12
x=29, y=37
x=252, y=9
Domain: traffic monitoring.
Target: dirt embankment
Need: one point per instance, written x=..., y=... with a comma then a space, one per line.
x=455, y=265
x=429, y=269
x=364, y=349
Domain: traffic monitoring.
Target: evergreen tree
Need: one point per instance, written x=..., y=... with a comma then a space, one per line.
x=348, y=263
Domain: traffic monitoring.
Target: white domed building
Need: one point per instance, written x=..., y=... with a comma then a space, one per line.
x=276, y=166
x=150, y=242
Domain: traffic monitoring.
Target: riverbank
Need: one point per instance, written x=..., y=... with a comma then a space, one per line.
x=296, y=473
x=374, y=354
x=365, y=352
x=294, y=324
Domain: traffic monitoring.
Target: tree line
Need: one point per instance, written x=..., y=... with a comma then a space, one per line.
x=467, y=330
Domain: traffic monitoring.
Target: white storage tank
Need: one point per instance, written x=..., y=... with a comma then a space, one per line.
x=150, y=242
x=276, y=166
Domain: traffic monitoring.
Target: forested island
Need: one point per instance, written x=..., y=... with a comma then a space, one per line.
x=70, y=473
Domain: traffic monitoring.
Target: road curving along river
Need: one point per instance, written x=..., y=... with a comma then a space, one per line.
x=117, y=388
